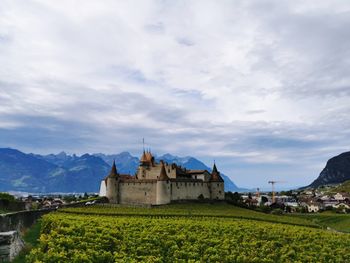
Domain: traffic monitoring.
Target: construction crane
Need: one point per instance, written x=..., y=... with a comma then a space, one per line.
x=273, y=188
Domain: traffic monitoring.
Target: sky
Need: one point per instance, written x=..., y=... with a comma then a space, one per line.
x=261, y=87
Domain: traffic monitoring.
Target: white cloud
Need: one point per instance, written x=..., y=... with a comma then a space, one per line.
x=258, y=81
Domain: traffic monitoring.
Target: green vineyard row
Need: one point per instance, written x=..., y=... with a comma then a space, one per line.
x=192, y=210
x=92, y=238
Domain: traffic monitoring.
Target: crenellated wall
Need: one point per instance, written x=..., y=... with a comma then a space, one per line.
x=150, y=192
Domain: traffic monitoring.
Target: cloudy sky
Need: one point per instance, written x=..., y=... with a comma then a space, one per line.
x=262, y=87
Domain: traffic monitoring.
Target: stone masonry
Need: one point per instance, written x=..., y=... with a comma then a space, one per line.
x=10, y=245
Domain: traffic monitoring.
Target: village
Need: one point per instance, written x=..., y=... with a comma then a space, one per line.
x=299, y=201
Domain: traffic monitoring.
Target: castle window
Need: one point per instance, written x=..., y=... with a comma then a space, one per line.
x=219, y=192
x=168, y=170
x=194, y=184
x=195, y=177
x=218, y=184
x=145, y=193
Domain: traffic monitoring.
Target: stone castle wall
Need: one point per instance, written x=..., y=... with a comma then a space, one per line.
x=10, y=226
x=10, y=245
x=138, y=192
x=146, y=192
x=189, y=190
x=217, y=190
x=20, y=220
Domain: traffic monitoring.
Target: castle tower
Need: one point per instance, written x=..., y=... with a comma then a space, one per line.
x=216, y=185
x=163, y=187
x=143, y=159
x=112, y=188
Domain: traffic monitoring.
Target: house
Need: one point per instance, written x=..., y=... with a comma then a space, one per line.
x=312, y=208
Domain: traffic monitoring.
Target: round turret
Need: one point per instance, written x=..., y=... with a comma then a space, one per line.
x=112, y=185
x=216, y=185
x=163, y=187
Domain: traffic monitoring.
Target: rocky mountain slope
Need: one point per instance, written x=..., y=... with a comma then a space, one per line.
x=50, y=173
x=337, y=171
x=71, y=173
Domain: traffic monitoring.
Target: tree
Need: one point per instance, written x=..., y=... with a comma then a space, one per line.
x=234, y=198
x=7, y=196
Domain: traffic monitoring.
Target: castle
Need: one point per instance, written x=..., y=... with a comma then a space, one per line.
x=161, y=183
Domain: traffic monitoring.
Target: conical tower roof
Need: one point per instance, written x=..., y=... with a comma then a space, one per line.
x=143, y=158
x=163, y=176
x=113, y=172
x=215, y=175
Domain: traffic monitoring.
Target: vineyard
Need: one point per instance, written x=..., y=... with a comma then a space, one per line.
x=192, y=210
x=130, y=236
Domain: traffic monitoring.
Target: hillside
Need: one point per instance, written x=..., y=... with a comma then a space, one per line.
x=23, y=172
x=337, y=170
x=35, y=173
x=125, y=162
x=344, y=187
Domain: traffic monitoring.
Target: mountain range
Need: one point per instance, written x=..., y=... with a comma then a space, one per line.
x=337, y=170
x=71, y=173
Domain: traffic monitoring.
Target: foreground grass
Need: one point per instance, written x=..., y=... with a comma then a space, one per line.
x=192, y=210
x=31, y=239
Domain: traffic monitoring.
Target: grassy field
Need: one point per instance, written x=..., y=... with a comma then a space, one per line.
x=192, y=210
x=339, y=222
